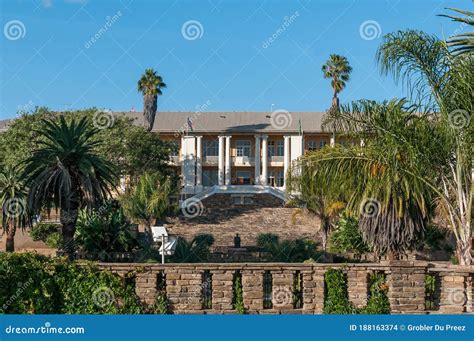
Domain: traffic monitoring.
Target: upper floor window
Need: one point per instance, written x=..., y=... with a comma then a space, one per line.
x=243, y=147
x=210, y=148
x=271, y=148
x=280, y=149
x=322, y=143
x=311, y=145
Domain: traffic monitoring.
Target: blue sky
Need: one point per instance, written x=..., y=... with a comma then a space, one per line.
x=224, y=61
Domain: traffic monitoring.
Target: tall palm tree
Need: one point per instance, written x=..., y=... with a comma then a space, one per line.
x=14, y=213
x=65, y=172
x=337, y=69
x=150, y=85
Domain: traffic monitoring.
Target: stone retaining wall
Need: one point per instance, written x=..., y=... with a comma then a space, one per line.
x=405, y=281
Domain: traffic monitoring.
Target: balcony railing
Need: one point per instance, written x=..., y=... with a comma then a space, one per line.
x=243, y=160
x=210, y=160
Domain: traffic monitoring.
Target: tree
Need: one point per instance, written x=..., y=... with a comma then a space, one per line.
x=198, y=250
x=65, y=172
x=445, y=82
x=148, y=200
x=463, y=43
x=14, y=213
x=337, y=69
x=150, y=85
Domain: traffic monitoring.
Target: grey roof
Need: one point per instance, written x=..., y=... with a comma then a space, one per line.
x=243, y=122
x=237, y=122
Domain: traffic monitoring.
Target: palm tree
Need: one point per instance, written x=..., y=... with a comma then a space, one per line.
x=14, y=213
x=392, y=205
x=148, y=200
x=462, y=43
x=337, y=69
x=65, y=172
x=150, y=85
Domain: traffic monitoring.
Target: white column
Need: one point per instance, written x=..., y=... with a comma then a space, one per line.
x=257, y=159
x=221, y=161
x=227, y=161
x=198, y=163
x=332, y=141
x=264, y=177
x=286, y=156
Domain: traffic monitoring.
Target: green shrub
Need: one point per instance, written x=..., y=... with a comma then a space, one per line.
x=292, y=251
x=104, y=230
x=347, y=237
x=238, y=297
x=48, y=233
x=161, y=305
x=377, y=302
x=34, y=284
x=430, y=292
x=198, y=250
x=336, y=300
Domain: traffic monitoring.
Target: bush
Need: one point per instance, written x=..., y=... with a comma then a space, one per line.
x=34, y=284
x=162, y=304
x=198, y=250
x=347, y=237
x=104, y=230
x=238, y=296
x=336, y=300
x=293, y=251
x=48, y=233
x=378, y=302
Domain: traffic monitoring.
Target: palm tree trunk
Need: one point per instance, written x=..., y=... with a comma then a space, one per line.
x=10, y=241
x=68, y=218
x=149, y=110
x=463, y=251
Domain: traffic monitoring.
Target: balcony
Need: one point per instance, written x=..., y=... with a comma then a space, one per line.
x=210, y=160
x=276, y=161
x=243, y=161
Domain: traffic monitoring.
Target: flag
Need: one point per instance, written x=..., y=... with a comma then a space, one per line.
x=190, y=125
x=300, y=129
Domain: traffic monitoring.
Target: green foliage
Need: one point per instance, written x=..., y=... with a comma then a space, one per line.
x=161, y=305
x=347, y=237
x=198, y=250
x=377, y=302
x=148, y=200
x=104, y=230
x=238, y=295
x=436, y=239
x=48, y=233
x=293, y=251
x=33, y=284
x=336, y=300
x=430, y=292
x=130, y=148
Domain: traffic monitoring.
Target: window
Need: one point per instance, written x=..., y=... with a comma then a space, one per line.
x=209, y=177
x=311, y=145
x=243, y=148
x=276, y=178
x=210, y=148
x=271, y=148
x=280, y=151
x=322, y=143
